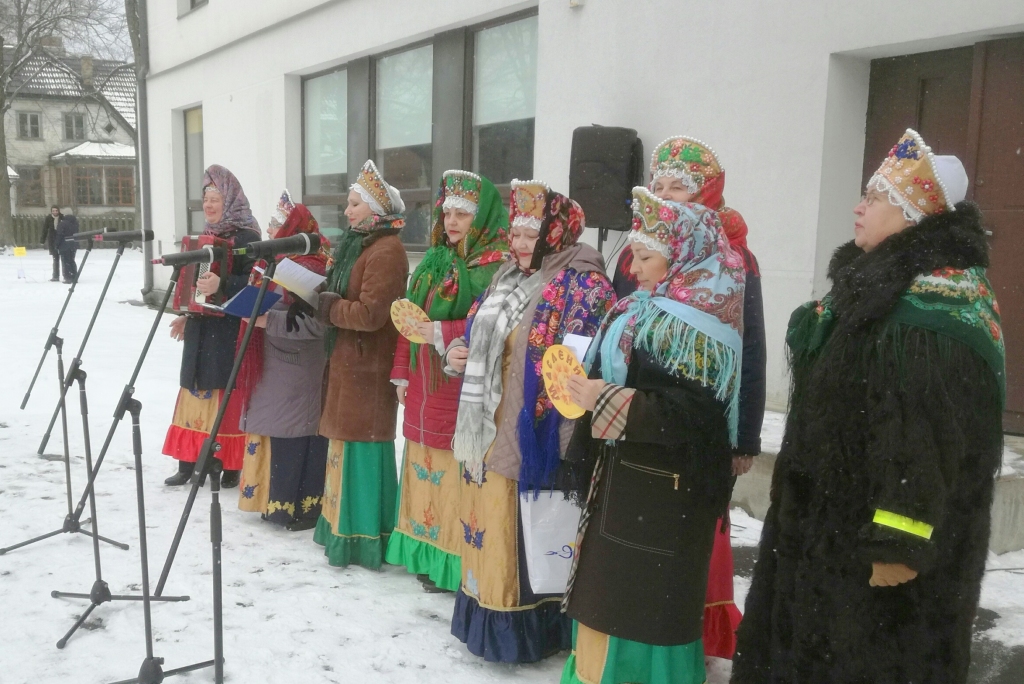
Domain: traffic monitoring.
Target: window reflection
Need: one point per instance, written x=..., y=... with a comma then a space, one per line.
x=505, y=100
x=404, y=130
x=326, y=131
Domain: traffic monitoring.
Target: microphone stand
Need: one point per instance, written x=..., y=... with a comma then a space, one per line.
x=72, y=522
x=151, y=673
x=100, y=592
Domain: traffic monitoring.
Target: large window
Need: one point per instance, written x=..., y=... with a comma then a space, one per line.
x=88, y=182
x=120, y=186
x=194, y=169
x=30, y=186
x=483, y=92
x=505, y=100
x=28, y=125
x=74, y=127
x=404, y=130
x=325, y=151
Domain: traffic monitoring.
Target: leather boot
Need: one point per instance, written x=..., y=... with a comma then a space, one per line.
x=181, y=477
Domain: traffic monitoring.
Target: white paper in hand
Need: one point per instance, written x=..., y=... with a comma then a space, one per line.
x=579, y=345
x=298, y=280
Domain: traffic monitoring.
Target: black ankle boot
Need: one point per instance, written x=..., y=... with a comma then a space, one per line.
x=230, y=479
x=181, y=477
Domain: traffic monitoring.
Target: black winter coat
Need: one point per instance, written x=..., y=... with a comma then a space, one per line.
x=67, y=227
x=643, y=562
x=882, y=416
x=209, y=349
x=49, y=236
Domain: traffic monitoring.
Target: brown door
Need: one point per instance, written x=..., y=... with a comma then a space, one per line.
x=968, y=102
x=929, y=92
x=998, y=188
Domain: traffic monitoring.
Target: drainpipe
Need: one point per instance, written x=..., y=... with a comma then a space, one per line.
x=143, y=154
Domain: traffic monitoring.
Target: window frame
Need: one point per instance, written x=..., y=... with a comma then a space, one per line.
x=191, y=205
x=362, y=116
x=39, y=125
x=124, y=182
x=78, y=172
x=74, y=117
x=24, y=172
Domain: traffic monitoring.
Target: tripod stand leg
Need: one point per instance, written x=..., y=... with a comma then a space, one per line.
x=78, y=623
x=31, y=541
x=216, y=535
x=100, y=537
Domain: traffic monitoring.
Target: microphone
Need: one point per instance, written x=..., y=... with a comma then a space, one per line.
x=206, y=255
x=87, y=234
x=299, y=244
x=128, y=236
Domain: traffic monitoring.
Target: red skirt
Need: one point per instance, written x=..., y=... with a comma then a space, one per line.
x=194, y=414
x=721, y=616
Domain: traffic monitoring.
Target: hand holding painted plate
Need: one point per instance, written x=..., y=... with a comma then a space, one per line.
x=557, y=366
x=405, y=315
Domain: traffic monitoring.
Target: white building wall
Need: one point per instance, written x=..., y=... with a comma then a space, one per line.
x=779, y=90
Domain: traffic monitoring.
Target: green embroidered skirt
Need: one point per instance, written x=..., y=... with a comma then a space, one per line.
x=602, y=659
x=358, y=503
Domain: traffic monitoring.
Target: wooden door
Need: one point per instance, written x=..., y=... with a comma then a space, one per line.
x=997, y=153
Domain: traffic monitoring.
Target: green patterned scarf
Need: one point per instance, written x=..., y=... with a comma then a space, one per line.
x=451, y=278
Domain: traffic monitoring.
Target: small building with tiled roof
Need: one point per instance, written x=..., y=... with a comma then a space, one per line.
x=71, y=133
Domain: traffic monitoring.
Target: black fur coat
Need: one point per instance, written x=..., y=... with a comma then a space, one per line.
x=882, y=416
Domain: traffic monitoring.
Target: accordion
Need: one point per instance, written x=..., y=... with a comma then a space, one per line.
x=187, y=297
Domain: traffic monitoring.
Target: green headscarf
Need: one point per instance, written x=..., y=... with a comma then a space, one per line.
x=458, y=275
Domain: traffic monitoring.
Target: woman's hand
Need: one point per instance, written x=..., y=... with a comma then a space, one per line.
x=890, y=574
x=457, y=358
x=426, y=331
x=261, y=321
x=584, y=392
x=208, y=283
x=401, y=390
x=178, y=328
x=741, y=465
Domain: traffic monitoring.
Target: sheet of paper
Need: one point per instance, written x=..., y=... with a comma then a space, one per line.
x=297, y=280
x=579, y=345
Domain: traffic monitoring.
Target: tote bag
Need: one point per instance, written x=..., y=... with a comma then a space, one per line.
x=550, y=524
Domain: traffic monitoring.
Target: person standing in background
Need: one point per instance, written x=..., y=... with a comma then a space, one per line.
x=66, y=247
x=49, y=238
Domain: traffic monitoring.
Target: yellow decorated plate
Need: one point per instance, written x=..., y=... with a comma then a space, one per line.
x=405, y=315
x=557, y=366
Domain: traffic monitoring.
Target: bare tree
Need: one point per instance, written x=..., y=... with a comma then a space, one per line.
x=94, y=26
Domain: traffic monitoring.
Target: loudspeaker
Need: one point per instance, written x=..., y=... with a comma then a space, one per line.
x=606, y=164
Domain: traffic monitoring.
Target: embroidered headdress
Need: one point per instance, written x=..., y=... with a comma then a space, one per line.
x=461, y=191
x=559, y=220
x=383, y=199
x=919, y=182
x=688, y=159
x=284, y=207
x=692, y=324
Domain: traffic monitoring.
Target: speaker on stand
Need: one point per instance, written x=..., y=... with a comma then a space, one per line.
x=607, y=162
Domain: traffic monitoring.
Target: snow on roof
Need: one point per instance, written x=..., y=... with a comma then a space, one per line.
x=12, y=174
x=98, y=150
x=61, y=76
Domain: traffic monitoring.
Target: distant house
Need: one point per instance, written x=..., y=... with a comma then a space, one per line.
x=71, y=133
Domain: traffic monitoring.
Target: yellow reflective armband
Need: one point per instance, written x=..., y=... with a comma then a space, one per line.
x=903, y=523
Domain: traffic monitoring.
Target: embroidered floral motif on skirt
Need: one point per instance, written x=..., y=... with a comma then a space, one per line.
x=428, y=535
x=358, y=511
x=194, y=414
x=283, y=477
x=497, y=615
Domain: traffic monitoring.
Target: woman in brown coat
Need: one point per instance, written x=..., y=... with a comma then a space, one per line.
x=369, y=272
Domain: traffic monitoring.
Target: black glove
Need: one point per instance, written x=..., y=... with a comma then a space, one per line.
x=300, y=308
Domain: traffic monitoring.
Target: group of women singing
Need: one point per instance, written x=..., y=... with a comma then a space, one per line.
x=674, y=403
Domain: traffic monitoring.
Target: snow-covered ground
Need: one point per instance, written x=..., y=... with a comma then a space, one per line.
x=288, y=616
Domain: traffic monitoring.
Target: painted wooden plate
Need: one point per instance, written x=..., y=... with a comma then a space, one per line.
x=558, y=365
x=405, y=315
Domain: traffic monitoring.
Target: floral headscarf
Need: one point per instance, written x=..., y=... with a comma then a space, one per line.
x=237, y=214
x=559, y=220
x=692, y=324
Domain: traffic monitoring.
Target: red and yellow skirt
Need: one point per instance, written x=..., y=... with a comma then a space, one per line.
x=194, y=414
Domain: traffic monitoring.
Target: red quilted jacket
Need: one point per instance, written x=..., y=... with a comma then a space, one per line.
x=429, y=417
